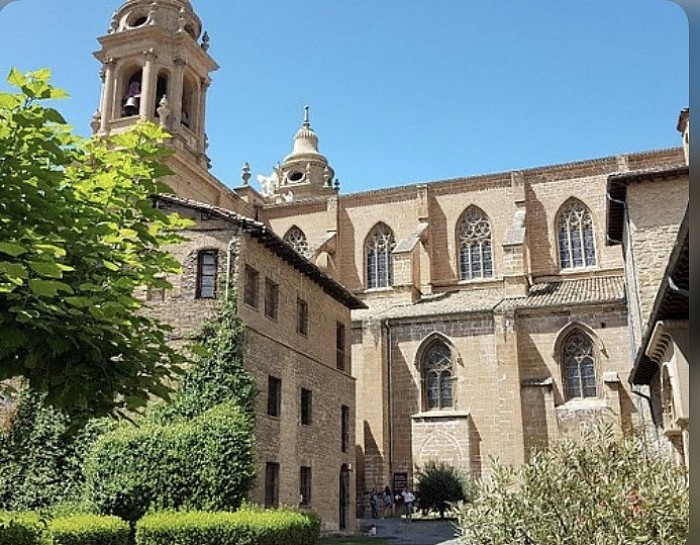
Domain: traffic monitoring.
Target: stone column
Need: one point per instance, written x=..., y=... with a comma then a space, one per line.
x=148, y=86
x=204, y=86
x=107, y=99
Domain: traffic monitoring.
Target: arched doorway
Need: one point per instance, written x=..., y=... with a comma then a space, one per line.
x=343, y=497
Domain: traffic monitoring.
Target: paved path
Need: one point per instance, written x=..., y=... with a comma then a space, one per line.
x=415, y=532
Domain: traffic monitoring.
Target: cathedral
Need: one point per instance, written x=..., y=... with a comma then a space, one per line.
x=453, y=320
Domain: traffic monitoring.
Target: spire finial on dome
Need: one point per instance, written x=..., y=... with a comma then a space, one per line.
x=307, y=123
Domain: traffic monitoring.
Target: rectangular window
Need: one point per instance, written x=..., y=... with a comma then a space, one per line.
x=302, y=317
x=306, y=406
x=274, y=396
x=305, y=486
x=206, y=274
x=344, y=428
x=271, y=298
x=252, y=281
x=272, y=484
x=340, y=346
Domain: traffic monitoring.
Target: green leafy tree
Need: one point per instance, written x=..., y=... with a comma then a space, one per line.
x=439, y=486
x=41, y=457
x=78, y=234
x=596, y=492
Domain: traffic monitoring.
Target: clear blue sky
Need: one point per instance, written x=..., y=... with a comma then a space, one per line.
x=403, y=91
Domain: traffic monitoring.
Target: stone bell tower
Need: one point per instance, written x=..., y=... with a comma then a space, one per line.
x=155, y=66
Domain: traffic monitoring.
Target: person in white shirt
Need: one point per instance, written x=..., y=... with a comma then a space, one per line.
x=408, y=499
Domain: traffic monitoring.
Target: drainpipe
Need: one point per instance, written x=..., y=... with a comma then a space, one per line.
x=385, y=323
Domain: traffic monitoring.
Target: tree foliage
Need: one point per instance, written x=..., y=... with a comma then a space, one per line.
x=194, y=452
x=440, y=485
x=604, y=490
x=41, y=455
x=205, y=464
x=219, y=375
x=78, y=234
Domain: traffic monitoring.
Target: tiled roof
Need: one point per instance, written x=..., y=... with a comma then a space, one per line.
x=605, y=289
x=274, y=243
x=451, y=302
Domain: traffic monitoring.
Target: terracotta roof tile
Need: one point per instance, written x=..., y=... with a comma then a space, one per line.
x=605, y=289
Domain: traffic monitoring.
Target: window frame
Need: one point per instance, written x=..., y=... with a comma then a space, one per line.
x=272, y=298
x=340, y=346
x=483, y=241
x=592, y=354
x=380, y=241
x=344, y=428
x=302, y=317
x=306, y=407
x=296, y=238
x=272, y=484
x=444, y=376
x=251, y=287
x=305, y=485
x=201, y=255
x=274, y=396
x=564, y=213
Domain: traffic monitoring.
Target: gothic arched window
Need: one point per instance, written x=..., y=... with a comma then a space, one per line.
x=296, y=238
x=378, y=246
x=575, y=235
x=436, y=374
x=579, y=362
x=474, y=233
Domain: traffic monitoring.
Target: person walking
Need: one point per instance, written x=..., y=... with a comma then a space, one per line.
x=388, y=502
x=408, y=499
x=373, y=504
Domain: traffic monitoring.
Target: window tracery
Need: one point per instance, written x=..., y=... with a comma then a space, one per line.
x=379, y=262
x=436, y=369
x=575, y=235
x=296, y=238
x=579, y=366
x=475, y=255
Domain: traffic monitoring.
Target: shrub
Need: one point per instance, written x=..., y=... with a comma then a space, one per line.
x=439, y=485
x=89, y=530
x=36, y=456
x=23, y=528
x=604, y=490
x=219, y=375
x=245, y=527
x=41, y=455
x=206, y=464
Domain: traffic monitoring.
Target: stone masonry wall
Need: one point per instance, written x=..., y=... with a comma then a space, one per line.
x=655, y=211
x=274, y=347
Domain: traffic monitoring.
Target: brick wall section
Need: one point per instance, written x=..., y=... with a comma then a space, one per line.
x=273, y=347
x=655, y=211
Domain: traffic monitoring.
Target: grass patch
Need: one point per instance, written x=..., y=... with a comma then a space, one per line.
x=353, y=540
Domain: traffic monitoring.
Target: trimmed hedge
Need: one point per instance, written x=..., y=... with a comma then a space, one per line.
x=23, y=528
x=204, y=464
x=245, y=527
x=89, y=530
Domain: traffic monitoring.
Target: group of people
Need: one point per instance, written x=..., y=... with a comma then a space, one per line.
x=389, y=501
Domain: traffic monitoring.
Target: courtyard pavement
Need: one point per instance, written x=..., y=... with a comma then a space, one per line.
x=415, y=532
